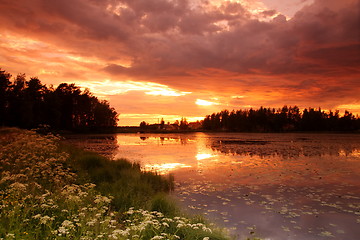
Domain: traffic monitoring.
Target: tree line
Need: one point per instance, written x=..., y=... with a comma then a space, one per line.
x=281, y=120
x=182, y=125
x=30, y=104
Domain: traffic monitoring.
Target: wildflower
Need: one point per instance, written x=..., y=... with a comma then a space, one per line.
x=74, y=198
x=37, y=216
x=18, y=186
x=121, y=232
x=45, y=219
x=67, y=224
x=157, y=237
x=130, y=211
x=10, y=235
x=102, y=199
x=206, y=229
x=180, y=225
x=61, y=231
x=91, y=223
x=168, y=220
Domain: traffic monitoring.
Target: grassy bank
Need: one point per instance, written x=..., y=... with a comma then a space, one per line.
x=123, y=180
x=52, y=191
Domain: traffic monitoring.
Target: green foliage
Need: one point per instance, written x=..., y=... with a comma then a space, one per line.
x=162, y=203
x=129, y=186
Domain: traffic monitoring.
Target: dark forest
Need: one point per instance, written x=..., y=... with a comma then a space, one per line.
x=31, y=104
x=285, y=119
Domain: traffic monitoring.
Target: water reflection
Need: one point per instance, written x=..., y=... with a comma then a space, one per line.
x=104, y=144
x=164, y=168
x=201, y=156
x=280, y=186
x=260, y=159
x=293, y=149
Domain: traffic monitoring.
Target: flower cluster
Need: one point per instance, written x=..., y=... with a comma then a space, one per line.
x=28, y=157
x=39, y=199
x=143, y=224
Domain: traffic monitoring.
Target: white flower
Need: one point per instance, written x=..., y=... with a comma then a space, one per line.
x=102, y=199
x=37, y=216
x=157, y=237
x=67, y=224
x=45, y=219
x=130, y=211
x=10, y=235
x=91, y=223
x=62, y=230
x=180, y=225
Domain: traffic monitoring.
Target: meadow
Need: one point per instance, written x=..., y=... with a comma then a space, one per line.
x=54, y=191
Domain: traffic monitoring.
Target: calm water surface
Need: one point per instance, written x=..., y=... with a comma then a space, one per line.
x=273, y=186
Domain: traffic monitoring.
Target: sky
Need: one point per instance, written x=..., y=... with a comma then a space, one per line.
x=154, y=59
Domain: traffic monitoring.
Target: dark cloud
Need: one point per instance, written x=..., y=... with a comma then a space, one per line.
x=174, y=43
x=170, y=33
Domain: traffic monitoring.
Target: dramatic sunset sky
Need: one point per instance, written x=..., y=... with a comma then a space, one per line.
x=189, y=58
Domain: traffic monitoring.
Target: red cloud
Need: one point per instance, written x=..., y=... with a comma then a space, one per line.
x=174, y=43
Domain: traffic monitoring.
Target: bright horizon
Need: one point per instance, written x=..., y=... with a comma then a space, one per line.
x=154, y=59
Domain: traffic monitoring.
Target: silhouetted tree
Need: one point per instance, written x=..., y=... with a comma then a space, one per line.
x=143, y=125
x=28, y=104
x=4, y=95
x=17, y=101
x=184, y=124
x=280, y=120
x=162, y=123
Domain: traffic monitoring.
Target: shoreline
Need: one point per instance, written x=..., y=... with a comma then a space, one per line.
x=54, y=190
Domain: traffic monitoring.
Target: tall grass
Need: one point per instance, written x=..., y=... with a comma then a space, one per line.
x=58, y=192
x=123, y=180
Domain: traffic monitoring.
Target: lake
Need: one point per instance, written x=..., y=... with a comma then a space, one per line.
x=273, y=186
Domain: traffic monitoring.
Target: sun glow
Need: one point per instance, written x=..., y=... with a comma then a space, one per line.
x=202, y=156
x=167, y=92
x=354, y=108
x=109, y=87
x=134, y=119
x=165, y=167
x=21, y=43
x=202, y=102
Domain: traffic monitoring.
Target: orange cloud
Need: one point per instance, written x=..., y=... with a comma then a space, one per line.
x=202, y=102
x=148, y=56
